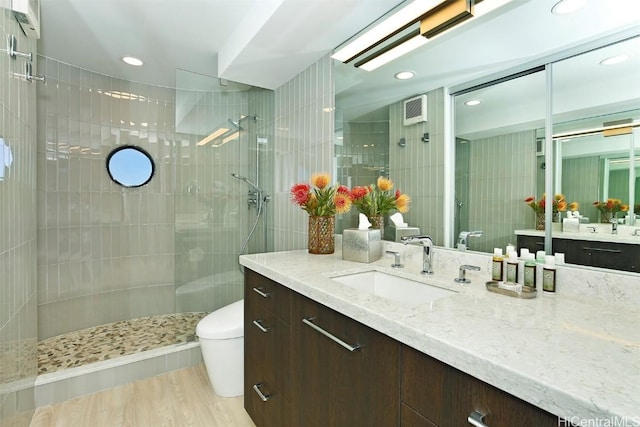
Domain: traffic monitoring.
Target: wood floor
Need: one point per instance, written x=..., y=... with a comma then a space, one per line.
x=179, y=398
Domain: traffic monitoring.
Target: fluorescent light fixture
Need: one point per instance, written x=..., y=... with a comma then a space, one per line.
x=564, y=7
x=418, y=40
x=404, y=75
x=406, y=47
x=384, y=29
x=132, y=61
x=612, y=60
x=472, y=102
x=229, y=138
x=213, y=135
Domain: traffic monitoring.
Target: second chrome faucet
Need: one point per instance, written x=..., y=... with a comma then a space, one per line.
x=427, y=251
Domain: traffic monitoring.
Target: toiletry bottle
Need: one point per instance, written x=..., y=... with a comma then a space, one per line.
x=549, y=275
x=530, y=271
x=512, y=267
x=496, y=265
x=540, y=257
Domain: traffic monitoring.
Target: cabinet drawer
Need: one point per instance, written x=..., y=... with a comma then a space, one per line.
x=274, y=412
x=267, y=349
x=271, y=295
x=447, y=396
x=423, y=386
x=335, y=385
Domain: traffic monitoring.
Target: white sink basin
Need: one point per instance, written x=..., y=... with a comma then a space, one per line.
x=394, y=288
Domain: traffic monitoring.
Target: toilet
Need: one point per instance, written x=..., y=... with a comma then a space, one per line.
x=221, y=336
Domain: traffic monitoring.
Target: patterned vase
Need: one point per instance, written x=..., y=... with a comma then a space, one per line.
x=605, y=217
x=321, y=234
x=539, y=220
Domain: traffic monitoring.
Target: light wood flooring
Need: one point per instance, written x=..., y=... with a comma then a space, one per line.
x=179, y=398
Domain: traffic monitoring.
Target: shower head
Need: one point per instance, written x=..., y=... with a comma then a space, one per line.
x=236, y=124
x=251, y=184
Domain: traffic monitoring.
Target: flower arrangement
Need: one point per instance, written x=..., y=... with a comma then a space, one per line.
x=611, y=205
x=379, y=199
x=559, y=203
x=321, y=199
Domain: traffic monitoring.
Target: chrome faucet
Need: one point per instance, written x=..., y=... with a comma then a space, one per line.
x=427, y=250
x=614, y=225
x=636, y=232
x=464, y=236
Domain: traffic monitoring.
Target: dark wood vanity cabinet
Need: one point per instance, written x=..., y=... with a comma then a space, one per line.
x=308, y=365
x=267, y=368
x=617, y=256
x=436, y=394
x=346, y=374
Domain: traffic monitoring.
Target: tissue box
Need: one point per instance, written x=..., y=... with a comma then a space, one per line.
x=395, y=234
x=571, y=225
x=361, y=245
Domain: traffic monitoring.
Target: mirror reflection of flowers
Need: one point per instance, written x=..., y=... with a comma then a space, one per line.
x=611, y=205
x=319, y=198
x=559, y=203
x=379, y=199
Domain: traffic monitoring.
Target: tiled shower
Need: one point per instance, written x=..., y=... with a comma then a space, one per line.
x=80, y=251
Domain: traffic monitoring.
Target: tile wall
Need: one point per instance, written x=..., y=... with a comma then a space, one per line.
x=18, y=297
x=418, y=169
x=105, y=253
x=304, y=137
x=502, y=174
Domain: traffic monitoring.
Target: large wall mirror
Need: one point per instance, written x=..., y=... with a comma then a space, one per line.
x=499, y=144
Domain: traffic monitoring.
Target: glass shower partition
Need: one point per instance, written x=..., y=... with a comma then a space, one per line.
x=222, y=128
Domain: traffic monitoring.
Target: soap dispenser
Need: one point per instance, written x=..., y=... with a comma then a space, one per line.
x=497, y=265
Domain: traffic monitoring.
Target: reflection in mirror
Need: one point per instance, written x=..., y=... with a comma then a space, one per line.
x=497, y=159
x=130, y=166
x=593, y=164
x=594, y=167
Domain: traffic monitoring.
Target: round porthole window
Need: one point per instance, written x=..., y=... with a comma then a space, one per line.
x=130, y=166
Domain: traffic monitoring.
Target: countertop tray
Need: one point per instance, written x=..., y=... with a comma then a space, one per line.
x=525, y=293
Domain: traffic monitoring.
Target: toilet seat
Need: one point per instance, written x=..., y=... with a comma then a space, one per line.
x=224, y=323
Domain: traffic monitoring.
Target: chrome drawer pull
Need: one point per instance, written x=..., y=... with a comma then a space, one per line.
x=263, y=397
x=613, y=251
x=476, y=419
x=258, y=323
x=329, y=335
x=262, y=294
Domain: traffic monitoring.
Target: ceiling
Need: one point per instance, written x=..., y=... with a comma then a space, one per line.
x=265, y=43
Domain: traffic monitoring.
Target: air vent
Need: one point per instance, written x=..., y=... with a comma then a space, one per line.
x=415, y=110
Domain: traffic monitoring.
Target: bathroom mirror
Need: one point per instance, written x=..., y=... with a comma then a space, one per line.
x=130, y=166
x=354, y=94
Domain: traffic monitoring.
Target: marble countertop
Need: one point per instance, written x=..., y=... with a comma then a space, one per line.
x=577, y=359
x=602, y=234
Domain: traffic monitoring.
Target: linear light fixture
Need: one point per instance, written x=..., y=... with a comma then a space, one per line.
x=213, y=135
x=231, y=137
x=435, y=18
x=385, y=29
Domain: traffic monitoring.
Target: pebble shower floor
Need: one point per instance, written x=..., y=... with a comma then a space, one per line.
x=113, y=340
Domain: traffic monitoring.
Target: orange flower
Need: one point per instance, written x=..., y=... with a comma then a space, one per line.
x=402, y=203
x=562, y=205
x=342, y=202
x=359, y=192
x=574, y=206
x=384, y=184
x=320, y=180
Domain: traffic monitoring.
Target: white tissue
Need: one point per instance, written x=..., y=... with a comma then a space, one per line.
x=396, y=218
x=363, y=223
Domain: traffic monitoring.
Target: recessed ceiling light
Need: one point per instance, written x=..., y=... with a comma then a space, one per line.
x=564, y=7
x=132, y=61
x=472, y=102
x=404, y=75
x=614, y=60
